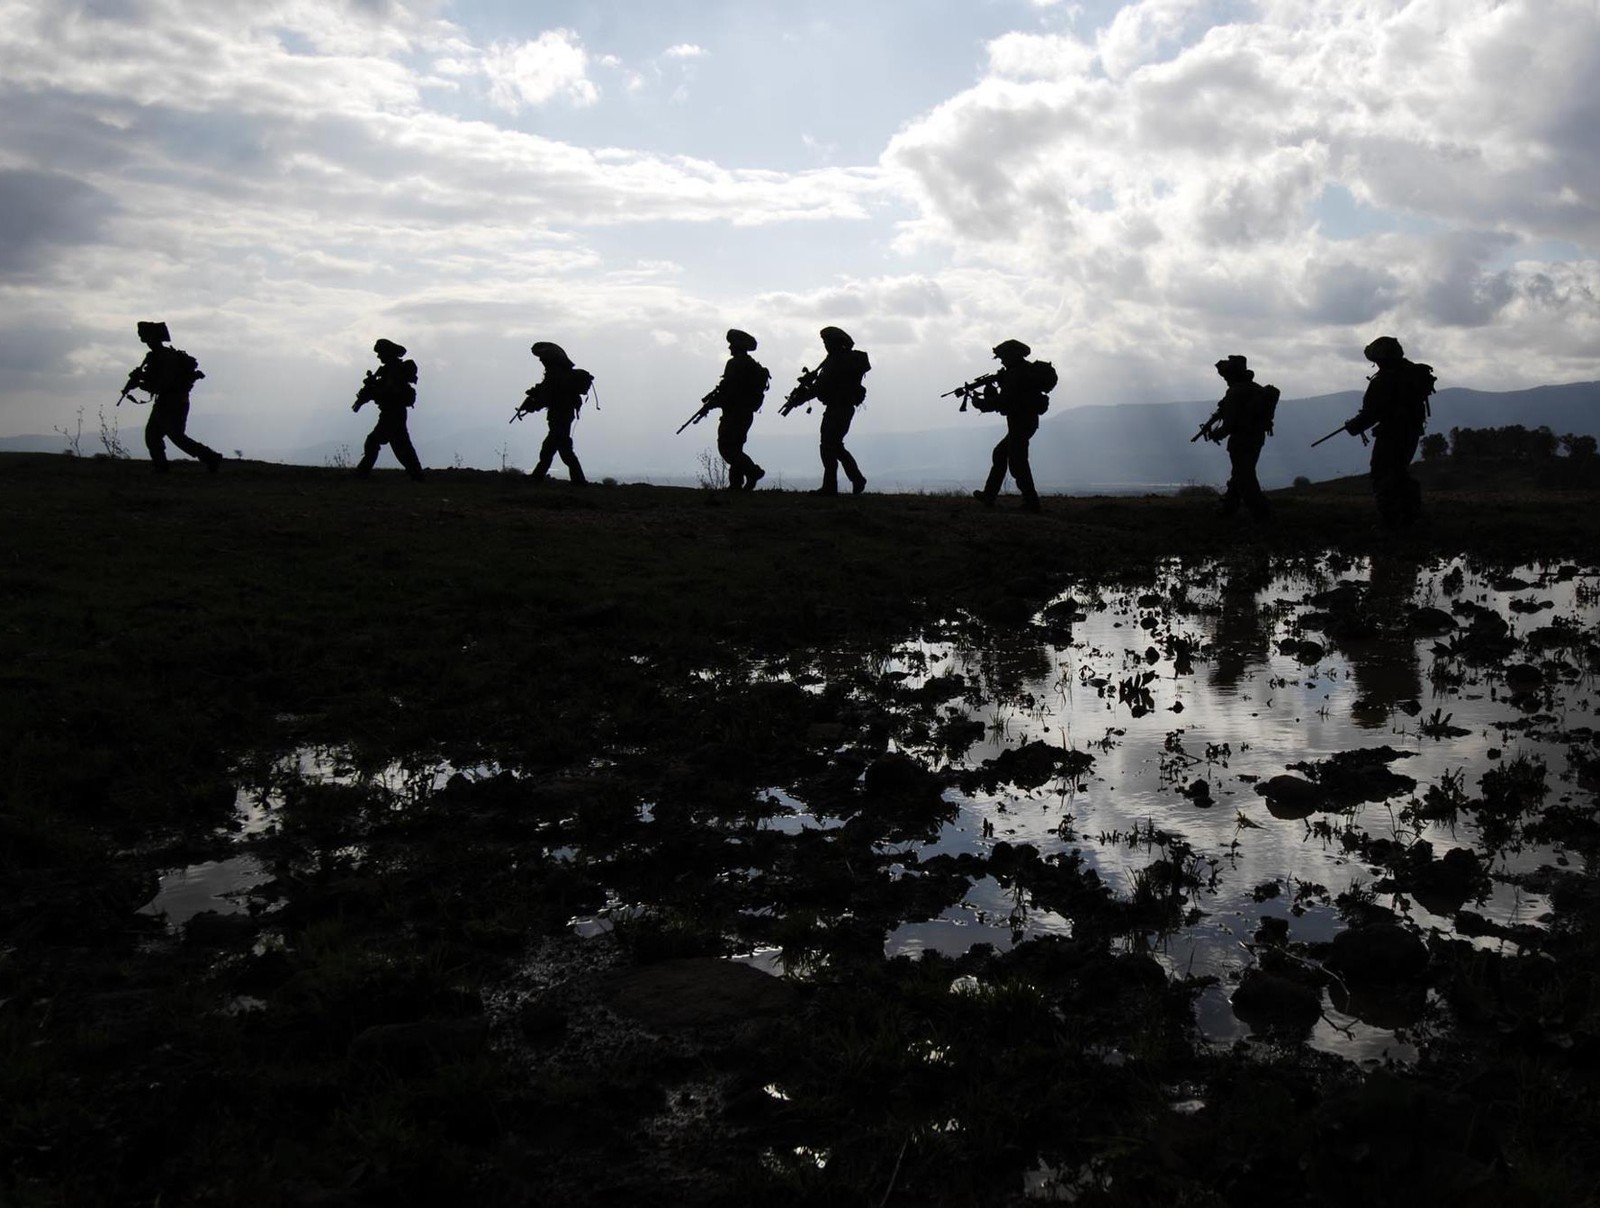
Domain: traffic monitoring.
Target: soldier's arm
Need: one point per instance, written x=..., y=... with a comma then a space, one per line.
x=1371, y=412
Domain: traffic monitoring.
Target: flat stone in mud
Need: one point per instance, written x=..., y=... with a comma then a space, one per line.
x=698, y=992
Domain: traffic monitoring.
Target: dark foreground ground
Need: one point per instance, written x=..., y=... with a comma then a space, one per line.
x=405, y=1015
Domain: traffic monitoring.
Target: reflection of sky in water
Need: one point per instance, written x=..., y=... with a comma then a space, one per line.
x=1269, y=709
x=219, y=885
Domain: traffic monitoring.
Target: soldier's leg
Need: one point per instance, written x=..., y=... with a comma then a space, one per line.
x=154, y=430
x=1410, y=490
x=1022, y=471
x=177, y=423
x=858, y=480
x=831, y=446
x=1243, y=486
x=400, y=445
x=569, y=458
x=749, y=472
x=369, y=449
x=1018, y=433
x=999, y=459
x=547, y=453
x=729, y=440
x=1386, y=484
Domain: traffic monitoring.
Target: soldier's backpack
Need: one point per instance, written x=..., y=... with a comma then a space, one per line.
x=1420, y=385
x=1044, y=380
x=580, y=381
x=408, y=376
x=1263, y=407
x=176, y=372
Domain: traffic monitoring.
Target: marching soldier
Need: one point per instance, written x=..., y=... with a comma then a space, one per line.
x=560, y=395
x=836, y=383
x=1019, y=392
x=169, y=374
x=393, y=386
x=1396, y=402
x=740, y=394
x=1244, y=418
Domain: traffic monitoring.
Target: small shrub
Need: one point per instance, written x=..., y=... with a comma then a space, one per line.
x=713, y=471
x=1192, y=490
x=111, y=437
x=1301, y=482
x=74, y=438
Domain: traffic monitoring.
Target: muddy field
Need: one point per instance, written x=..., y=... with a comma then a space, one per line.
x=367, y=843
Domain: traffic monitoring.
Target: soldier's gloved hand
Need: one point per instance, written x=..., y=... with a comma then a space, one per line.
x=1353, y=425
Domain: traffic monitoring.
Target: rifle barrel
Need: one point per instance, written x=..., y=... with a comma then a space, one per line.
x=1330, y=436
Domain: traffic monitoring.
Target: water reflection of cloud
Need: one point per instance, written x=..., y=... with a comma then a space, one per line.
x=1252, y=706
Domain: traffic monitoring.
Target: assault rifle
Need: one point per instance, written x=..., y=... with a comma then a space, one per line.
x=965, y=391
x=368, y=391
x=805, y=389
x=705, y=410
x=1205, y=428
x=129, y=386
x=527, y=404
x=1335, y=432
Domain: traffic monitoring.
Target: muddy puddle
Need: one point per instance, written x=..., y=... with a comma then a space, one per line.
x=1286, y=737
x=1249, y=756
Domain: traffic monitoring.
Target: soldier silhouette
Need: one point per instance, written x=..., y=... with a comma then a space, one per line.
x=560, y=395
x=1244, y=418
x=838, y=387
x=739, y=394
x=393, y=386
x=1396, y=402
x=168, y=374
x=1019, y=392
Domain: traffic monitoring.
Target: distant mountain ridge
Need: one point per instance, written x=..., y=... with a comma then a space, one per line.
x=1083, y=449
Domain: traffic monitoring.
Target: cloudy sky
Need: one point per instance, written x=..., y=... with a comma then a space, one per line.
x=1134, y=189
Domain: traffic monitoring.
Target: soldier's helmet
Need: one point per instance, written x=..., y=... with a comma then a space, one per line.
x=741, y=341
x=1231, y=367
x=1006, y=349
x=389, y=348
x=548, y=352
x=153, y=330
x=835, y=335
x=1384, y=348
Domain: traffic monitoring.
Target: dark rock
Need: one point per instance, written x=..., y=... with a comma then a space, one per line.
x=209, y=929
x=897, y=775
x=1523, y=677
x=1379, y=954
x=1290, y=797
x=1431, y=622
x=698, y=992
x=1307, y=652
x=1267, y=1000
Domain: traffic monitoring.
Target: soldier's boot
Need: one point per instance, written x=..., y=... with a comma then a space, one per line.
x=755, y=476
x=984, y=498
x=858, y=484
